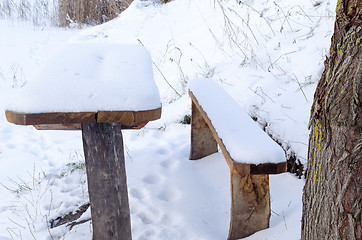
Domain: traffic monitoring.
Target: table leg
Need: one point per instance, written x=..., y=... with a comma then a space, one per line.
x=107, y=182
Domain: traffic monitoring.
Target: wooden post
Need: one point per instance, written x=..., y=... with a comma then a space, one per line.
x=202, y=139
x=107, y=182
x=250, y=204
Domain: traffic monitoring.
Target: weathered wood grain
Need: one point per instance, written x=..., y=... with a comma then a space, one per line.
x=75, y=126
x=149, y=115
x=202, y=139
x=72, y=120
x=107, y=181
x=268, y=168
x=250, y=204
x=132, y=119
x=126, y=117
x=50, y=118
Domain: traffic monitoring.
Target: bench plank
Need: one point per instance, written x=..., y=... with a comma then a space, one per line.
x=244, y=140
x=237, y=167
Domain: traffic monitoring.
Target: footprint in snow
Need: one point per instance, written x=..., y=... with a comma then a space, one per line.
x=137, y=193
x=162, y=151
x=169, y=164
x=153, y=178
x=11, y=146
x=2, y=209
x=169, y=233
x=147, y=235
x=169, y=195
x=149, y=215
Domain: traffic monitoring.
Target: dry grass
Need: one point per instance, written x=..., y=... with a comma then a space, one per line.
x=39, y=12
x=62, y=12
x=89, y=11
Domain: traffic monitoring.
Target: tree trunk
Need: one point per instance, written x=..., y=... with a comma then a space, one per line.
x=332, y=193
x=107, y=182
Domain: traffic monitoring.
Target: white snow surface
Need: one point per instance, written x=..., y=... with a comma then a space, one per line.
x=91, y=77
x=244, y=140
x=268, y=55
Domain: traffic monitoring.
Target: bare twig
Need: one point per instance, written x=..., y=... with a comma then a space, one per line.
x=16, y=223
x=285, y=223
x=285, y=16
x=178, y=94
x=159, y=70
x=300, y=87
x=255, y=91
x=305, y=13
x=261, y=15
x=275, y=213
x=50, y=234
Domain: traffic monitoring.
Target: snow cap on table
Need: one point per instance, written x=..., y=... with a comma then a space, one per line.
x=91, y=77
x=245, y=141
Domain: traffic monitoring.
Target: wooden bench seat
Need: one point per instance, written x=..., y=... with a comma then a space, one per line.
x=250, y=153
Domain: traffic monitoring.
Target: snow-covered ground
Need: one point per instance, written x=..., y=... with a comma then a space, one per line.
x=267, y=54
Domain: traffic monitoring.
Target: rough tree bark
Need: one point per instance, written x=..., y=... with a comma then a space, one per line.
x=332, y=193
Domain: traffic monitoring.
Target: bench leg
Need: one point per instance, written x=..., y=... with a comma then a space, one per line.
x=107, y=183
x=202, y=140
x=250, y=204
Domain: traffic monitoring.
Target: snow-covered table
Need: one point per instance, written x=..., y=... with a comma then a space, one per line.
x=250, y=153
x=100, y=89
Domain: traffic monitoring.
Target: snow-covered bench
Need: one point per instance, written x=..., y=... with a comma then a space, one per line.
x=250, y=153
x=100, y=89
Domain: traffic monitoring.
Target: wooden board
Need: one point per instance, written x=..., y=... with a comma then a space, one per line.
x=75, y=126
x=250, y=204
x=50, y=118
x=202, y=140
x=129, y=117
x=236, y=167
x=72, y=121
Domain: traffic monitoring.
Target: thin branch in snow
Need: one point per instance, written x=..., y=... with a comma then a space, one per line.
x=50, y=234
x=301, y=88
x=168, y=83
x=285, y=223
x=16, y=224
x=275, y=213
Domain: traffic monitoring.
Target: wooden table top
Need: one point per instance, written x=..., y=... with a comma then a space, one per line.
x=73, y=120
x=88, y=83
